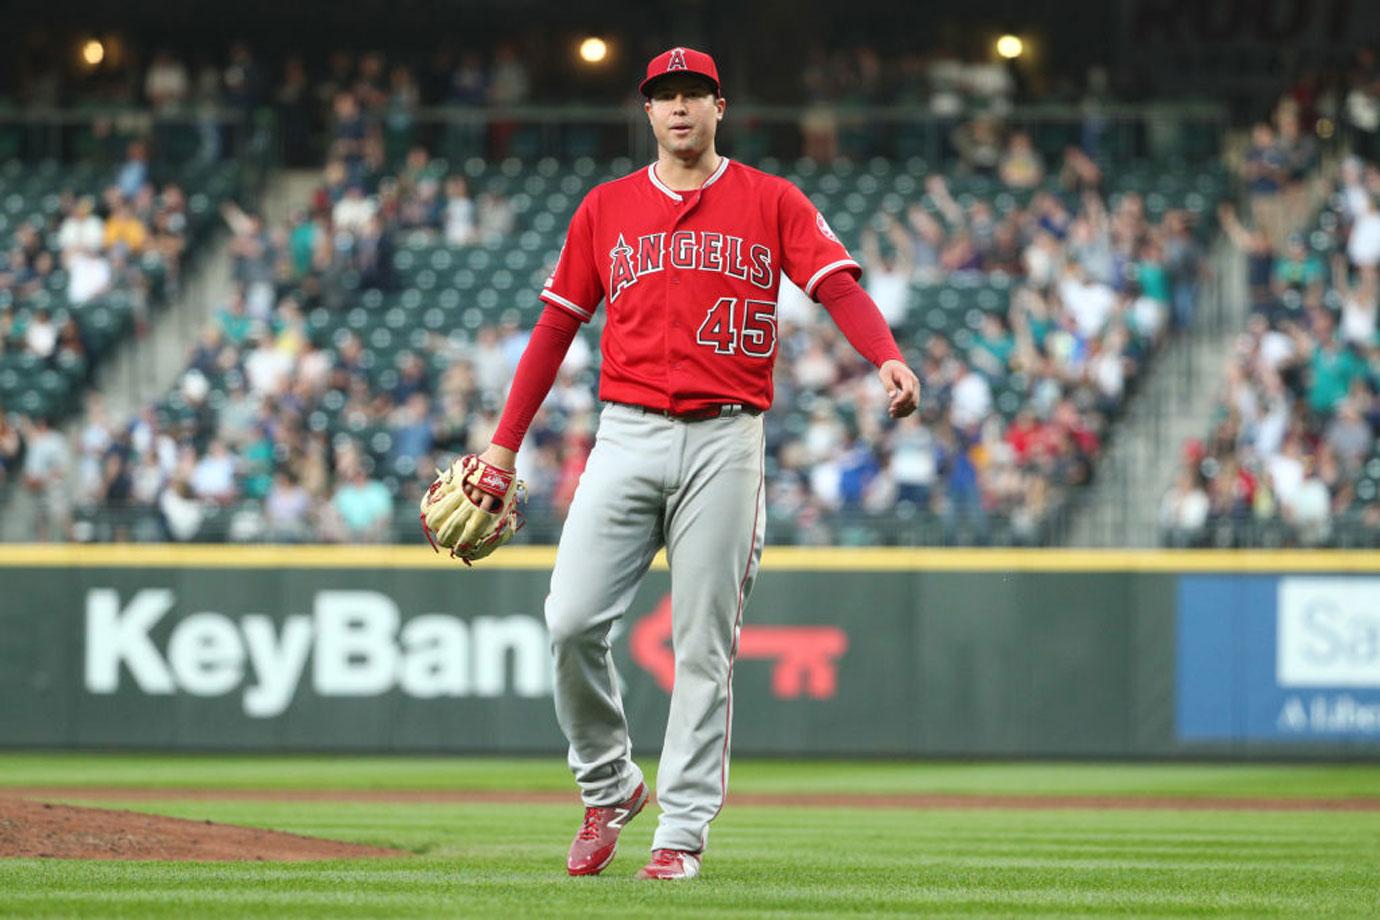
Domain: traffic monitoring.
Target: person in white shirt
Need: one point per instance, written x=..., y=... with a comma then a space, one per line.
x=1363, y=246
x=41, y=336
x=460, y=222
x=267, y=368
x=1089, y=302
x=1309, y=508
x=1184, y=510
x=887, y=279
x=1358, y=304
x=213, y=477
x=353, y=212
x=166, y=84
x=88, y=276
x=82, y=229
x=972, y=400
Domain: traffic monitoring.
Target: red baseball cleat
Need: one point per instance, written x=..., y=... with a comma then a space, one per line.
x=597, y=841
x=671, y=865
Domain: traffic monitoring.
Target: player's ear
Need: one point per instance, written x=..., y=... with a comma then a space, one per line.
x=720, y=104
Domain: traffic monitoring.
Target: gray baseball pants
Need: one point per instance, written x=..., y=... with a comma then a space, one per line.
x=696, y=488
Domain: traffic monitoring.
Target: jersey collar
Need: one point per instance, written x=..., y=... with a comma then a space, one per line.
x=675, y=195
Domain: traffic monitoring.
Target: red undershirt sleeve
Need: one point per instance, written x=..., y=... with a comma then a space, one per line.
x=858, y=318
x=535, y=373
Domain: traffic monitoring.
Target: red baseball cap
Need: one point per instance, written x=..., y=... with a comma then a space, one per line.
x=680, y=60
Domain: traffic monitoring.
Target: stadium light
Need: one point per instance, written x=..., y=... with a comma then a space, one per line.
x=92, y=52
x=593, y=50
x=1010, y=46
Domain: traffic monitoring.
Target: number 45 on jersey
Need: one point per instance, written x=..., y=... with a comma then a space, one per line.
x=729, y=330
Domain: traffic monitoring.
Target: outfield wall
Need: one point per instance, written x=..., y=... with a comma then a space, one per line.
x=843, y=652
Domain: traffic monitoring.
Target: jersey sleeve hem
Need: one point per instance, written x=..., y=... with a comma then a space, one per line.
x=557, y=300
x=819, y=276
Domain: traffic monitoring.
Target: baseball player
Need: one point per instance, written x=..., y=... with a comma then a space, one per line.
x=686, y=256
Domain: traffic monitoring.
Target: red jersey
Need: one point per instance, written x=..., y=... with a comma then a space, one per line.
x=689, y=281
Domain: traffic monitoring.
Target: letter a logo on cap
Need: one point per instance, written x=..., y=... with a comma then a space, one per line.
x=677, y=61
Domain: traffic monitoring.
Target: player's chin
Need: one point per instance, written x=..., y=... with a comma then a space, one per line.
x=683, y=143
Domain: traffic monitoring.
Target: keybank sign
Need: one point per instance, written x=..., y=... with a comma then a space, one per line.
x=356, y=643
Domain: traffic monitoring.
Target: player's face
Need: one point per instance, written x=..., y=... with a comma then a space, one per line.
x=684, y=113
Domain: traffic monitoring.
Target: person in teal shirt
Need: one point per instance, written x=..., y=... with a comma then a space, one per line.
x=302, y=244
x=364, y=505
x=1151, y=274
x=234, y=319
x=992, y=347
x=1333, y=367
x=1297, y=269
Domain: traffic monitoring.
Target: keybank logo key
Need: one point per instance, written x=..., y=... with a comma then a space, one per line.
x=1328, y=632
x=357, y=642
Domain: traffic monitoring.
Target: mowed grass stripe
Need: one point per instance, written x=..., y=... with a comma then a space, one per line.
x=507, y=860
x=343, y=772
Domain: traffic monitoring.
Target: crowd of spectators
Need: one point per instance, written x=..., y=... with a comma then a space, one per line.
x=276, y=432
x=75, y=251
x=391, y=90
x=1291, y=456
x=1096, y=285
x=241, y=444
x=85, y=247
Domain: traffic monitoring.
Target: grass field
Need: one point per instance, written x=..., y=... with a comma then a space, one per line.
x=487, y=859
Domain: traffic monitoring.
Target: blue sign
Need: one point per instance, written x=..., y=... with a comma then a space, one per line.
x=1278, y=658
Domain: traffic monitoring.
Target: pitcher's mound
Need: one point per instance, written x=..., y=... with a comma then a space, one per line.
x=37, y=829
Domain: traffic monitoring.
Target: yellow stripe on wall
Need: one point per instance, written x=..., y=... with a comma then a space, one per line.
x=784, y=558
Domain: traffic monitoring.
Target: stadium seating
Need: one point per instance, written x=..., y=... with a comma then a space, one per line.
x=441, y=297
x=32, y=193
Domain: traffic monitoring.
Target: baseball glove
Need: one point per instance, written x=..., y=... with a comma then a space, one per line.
x=452, y=519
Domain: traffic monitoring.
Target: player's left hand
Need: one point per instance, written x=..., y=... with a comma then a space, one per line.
x=902, y=386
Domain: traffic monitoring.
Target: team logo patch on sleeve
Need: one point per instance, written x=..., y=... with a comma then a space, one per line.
x=823, y=226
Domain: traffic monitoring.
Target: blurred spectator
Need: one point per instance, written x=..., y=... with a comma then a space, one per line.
x=1363, y=245
x=46, y=464
x=287, y=509
x=89, y=275
x=1300, y=155
x=124, y=230
x=1184, y=512
x=887, y=277
x=364, y=506
x=166, y=85
x=40, y=336
x=979, y=146
x=1264, y=170
x=213, y=476
x=460, y=224
x=1021, y=165
x=11, y=447
x=1358, y=302
x=82, y=228
x=1185, y=264
x=1259, y=251
x=354, y=211
x=134, y=172
x=182, y=513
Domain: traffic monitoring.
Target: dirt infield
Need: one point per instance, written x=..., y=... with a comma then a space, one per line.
x=783, y=799
x=36, y=829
